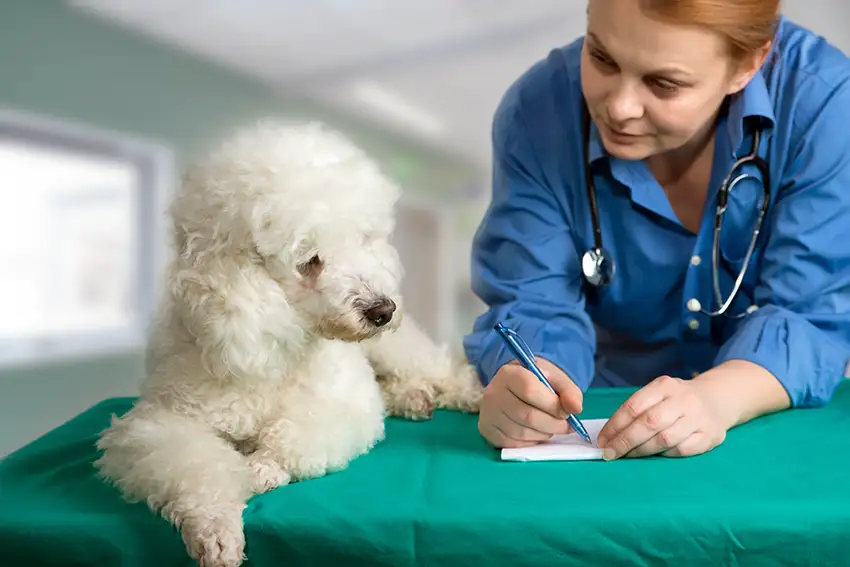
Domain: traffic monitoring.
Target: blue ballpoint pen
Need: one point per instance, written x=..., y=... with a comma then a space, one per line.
x=524, y=355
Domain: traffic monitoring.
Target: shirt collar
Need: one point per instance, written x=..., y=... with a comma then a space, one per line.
x=753, y=102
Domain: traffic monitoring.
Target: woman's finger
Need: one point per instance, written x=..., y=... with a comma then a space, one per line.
x=698, y=443
x=643, y=427
x=532, y=418
x=633, y=408
x=666, y=439
x=518, y=431
x=525, y=386
x=499, y=438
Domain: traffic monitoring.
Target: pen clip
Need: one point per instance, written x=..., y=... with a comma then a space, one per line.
x=514, y=337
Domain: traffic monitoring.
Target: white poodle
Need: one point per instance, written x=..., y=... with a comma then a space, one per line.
x=279, y=346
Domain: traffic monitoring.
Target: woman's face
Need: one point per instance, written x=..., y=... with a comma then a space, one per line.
x=652, y=87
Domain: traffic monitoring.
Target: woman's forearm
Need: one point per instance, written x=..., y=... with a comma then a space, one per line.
x=740, y=390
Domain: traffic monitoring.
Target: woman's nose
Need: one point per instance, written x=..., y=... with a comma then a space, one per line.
x=624, y=105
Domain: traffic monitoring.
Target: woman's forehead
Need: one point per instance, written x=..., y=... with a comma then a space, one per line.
x=635, y=39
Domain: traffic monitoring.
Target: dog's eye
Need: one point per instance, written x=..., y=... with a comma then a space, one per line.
x=312, y=267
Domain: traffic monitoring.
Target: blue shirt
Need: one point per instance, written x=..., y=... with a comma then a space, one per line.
x=527, y=251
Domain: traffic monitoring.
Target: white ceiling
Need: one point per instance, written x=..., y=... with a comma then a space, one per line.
x=444, y=63
x=433, y=69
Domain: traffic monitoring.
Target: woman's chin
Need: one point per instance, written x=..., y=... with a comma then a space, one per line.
x=631, y=151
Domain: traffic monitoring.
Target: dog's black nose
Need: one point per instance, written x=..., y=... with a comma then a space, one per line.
x=380, y=313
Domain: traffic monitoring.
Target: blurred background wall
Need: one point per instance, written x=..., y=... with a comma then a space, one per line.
x=102, y=102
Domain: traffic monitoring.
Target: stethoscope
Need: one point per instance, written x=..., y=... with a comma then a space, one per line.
x=598, y=266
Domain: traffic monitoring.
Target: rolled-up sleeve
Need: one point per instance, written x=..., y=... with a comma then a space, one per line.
x=801, y=333
x=524, y=264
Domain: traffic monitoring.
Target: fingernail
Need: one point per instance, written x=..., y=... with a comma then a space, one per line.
x=608, y=454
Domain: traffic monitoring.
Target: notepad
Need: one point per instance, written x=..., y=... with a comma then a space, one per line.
x=569, y=447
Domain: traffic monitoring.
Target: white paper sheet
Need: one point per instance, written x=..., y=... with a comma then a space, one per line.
x=569, y=447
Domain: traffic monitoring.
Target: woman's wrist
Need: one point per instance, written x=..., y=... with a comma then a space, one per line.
x=739, y=391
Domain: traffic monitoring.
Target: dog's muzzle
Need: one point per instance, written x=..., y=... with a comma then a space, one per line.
x=380, y=312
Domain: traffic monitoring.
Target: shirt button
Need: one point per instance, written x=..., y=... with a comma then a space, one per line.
x=694, y=305
x=696, y=260
x=693, y=324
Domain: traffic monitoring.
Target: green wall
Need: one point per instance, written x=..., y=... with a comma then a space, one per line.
x=60, y=63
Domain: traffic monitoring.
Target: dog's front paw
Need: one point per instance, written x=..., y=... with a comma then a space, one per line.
x=410, y=403
x=468, y=401
x=267, y=474
x=462, y=391
x=215, y=538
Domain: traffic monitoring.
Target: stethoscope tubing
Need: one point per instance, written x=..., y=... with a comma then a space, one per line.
x=599, y=267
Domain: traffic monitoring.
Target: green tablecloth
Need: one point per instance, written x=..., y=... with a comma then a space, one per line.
x=777, y=492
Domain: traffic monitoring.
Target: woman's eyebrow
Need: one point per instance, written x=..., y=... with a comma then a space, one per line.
x=595, y=39
x=664, y=70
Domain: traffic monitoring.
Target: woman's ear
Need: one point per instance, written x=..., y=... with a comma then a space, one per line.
x=239, y=317
x=744, y=70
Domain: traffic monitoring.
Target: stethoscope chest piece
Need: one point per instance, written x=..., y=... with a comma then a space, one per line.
x=598, y=266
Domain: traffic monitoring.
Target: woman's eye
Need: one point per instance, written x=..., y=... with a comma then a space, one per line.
x=601, y=58
x=664, y=86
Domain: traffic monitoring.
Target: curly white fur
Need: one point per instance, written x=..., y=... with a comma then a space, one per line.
x=276, y=352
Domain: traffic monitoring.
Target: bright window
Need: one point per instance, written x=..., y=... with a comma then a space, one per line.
x=80, y=243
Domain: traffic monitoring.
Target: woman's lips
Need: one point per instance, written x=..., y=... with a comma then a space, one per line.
x=620, y=134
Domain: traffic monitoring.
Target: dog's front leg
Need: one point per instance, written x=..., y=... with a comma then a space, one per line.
x=417, y=375
x=308, y=450
x=322, y=426
x=185, y=472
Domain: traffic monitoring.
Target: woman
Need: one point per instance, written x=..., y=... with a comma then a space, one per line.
x=676, y=92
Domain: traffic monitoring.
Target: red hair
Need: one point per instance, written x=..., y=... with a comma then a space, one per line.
x=747, y=25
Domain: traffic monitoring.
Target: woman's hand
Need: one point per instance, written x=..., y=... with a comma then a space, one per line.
x=517, y=410
x=670, y=416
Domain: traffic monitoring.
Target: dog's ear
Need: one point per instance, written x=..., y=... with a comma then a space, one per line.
x=238, y=316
